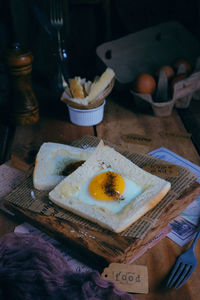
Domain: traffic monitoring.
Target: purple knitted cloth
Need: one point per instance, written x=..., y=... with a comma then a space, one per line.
x=32, y=269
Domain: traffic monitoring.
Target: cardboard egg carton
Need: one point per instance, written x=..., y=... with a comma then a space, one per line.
x=145, y=52
x=183, y=92
x=196, y=81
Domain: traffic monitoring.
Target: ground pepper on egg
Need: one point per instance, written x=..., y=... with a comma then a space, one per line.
x=110, y=186
x=107, y=186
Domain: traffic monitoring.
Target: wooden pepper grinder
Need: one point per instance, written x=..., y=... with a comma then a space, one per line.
x=25, y=109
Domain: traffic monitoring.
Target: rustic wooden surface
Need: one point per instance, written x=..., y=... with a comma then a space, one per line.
x=121, y=119
x=7, y=223
x=191, y=119
x=28, y=139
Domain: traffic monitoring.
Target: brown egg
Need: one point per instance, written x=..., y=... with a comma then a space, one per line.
x=181, y=61
x=169, y=71
x=177, y=79
x=145, y=84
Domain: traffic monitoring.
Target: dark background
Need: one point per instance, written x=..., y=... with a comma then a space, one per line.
x=87, y=24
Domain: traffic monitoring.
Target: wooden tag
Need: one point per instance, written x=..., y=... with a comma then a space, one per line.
x=136, y=139
x=177, y=135
x=128, y=278
x=165, y=170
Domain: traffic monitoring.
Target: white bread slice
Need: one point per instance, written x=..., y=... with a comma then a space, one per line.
x=153, y=190
x=51, y=160
x=76, y=87
x=87, y=86
x=100, y=85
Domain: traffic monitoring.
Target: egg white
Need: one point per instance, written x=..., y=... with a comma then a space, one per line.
x=130, y=192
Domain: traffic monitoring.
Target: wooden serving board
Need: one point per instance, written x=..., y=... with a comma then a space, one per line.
x=118, y=120
x=112, y=247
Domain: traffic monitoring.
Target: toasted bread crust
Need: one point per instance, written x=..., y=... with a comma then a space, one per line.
x=76, y=88
x=51, y=158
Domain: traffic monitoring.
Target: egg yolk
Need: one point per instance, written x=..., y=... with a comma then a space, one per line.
x=107, y=186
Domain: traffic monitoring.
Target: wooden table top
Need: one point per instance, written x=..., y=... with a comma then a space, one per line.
x=121, y=119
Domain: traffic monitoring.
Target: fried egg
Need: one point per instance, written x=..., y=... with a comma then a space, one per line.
x=108, y=190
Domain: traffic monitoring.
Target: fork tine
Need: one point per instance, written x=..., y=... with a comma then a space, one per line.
x=184, y=266
x=56, y=13
x=184, y=276
x=173, y=274
x=53, y=11
x=56, y=10
x=60, y=10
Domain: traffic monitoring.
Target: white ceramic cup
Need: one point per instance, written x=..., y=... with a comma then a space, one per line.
x=86, y=117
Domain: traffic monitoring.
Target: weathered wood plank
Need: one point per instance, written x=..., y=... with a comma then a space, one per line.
x=28, y=139
x=120, y=119
x=191, y=119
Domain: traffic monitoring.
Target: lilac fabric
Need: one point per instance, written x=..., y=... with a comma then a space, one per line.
x=32, y=269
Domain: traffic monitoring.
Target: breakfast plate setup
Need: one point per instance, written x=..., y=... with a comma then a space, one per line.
x=116, y=234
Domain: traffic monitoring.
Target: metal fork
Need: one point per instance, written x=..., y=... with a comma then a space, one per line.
x=184, y=266
x=56, y=16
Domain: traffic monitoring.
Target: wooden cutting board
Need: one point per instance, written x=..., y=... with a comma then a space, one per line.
x=111, y=247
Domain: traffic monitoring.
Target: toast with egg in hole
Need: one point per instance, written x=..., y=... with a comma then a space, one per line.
x=54, y=162
x=109, y=190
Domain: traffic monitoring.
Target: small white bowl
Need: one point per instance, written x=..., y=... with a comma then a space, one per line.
x=86, y=117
